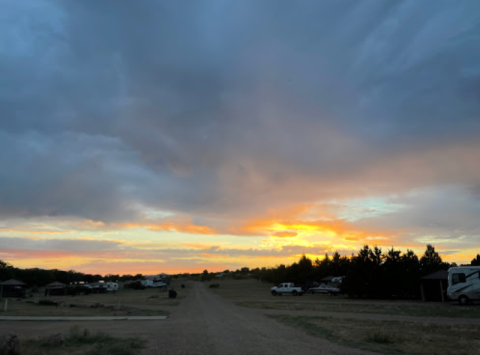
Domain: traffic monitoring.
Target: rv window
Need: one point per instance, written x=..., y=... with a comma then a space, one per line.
x=458, y=278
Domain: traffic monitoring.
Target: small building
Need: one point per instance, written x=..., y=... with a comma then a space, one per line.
x=433, y=287
x=12, y=288
x=56, y=289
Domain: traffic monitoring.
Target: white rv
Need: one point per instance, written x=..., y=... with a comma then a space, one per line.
x=464, y=283
x=111, y=286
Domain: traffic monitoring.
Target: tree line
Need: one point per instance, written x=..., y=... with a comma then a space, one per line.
x=369, y=273
x=41, y=277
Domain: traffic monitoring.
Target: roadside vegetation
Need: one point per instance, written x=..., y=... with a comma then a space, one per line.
x=343, y=305
x=79, y=341
x=125, y=302
x=147, y=296
x=391, y=337
x=254, y=294
x=371, y=273
x=17, y=307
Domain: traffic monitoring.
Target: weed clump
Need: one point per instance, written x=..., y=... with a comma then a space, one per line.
x=92, y=343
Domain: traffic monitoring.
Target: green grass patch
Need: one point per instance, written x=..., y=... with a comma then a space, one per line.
x=391, y=337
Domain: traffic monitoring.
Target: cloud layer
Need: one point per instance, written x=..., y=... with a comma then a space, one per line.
x=209, y=117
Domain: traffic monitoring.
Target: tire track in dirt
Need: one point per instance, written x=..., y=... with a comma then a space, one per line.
x=205, y=323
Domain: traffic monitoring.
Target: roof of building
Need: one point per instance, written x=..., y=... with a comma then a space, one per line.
x=12, y=282
x=437, y=275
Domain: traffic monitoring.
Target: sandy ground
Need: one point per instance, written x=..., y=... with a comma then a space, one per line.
x=206, y=323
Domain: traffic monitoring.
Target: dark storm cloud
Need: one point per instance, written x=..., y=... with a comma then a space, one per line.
x=213, y=107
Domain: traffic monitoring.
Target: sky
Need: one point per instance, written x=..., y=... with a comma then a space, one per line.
x=178, y=136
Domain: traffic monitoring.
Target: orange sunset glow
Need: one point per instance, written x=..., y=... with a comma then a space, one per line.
x=170, y=140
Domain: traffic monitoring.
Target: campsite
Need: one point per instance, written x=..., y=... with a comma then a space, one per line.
x=244, y=310
x=240, y=177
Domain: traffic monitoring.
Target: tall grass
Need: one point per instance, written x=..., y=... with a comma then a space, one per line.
x=82, y=341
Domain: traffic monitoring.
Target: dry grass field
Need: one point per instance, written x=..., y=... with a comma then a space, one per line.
x=365, y=324
x=148, y=302
x=391, y=337
x=86, y=340
x=31, y=309
x=352, y=325
x=254, y=294
x=79, y=341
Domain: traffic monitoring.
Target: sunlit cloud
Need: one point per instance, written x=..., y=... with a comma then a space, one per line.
x=315, y=128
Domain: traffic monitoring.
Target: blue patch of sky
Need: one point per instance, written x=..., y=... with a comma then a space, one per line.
x=358, y=209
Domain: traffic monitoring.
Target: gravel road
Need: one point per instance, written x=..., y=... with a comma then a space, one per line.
x=205, y=323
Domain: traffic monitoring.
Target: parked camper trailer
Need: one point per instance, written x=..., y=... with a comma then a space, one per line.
x=147, y=283
x=111, y=286
x=464, y=284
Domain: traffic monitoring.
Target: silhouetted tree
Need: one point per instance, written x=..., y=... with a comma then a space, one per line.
x=410, y=277
x=305, y=270
x=6, y=271
x=475, y=261
x=431, y=261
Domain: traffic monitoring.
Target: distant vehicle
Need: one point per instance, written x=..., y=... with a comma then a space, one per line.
x=286, y=288
x=111, y=286
x=464, y=284
x=147, y=283
x=325, y=289
x=307, y=285
x=332, y=288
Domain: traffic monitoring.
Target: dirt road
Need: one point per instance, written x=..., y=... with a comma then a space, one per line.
x=205, y=323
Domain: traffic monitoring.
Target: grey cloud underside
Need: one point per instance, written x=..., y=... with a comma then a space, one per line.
x=216, y=108
x=104, y=248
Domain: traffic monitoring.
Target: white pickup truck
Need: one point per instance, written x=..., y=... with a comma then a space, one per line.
x=286, y=287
